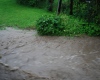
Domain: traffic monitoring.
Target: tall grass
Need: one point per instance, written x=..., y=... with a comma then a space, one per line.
x=12, y=14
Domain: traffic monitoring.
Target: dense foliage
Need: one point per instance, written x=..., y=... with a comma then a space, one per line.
x=34, y=3
x=85, y=9
x=48, y=4
x=50, y=25
x=88, y=10
x=64, y=25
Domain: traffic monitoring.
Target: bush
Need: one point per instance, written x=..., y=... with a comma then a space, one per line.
x=65, y=6
x=92, y=30
x=65, y=26
x=50, y=5
x=87, y=11
x=73, y=27
x=50, y=25
x=24, y=2
x=34, y=3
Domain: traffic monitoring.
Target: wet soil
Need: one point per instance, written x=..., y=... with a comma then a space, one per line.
x=48, y=57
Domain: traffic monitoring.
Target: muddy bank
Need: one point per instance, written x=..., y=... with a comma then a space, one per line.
x=55, y=58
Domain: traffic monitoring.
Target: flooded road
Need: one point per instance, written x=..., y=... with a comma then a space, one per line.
x=50, y=58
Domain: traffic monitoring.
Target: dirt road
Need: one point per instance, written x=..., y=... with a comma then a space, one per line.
x=49, y=58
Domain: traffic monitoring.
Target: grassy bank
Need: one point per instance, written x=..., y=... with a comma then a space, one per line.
x=12, y=14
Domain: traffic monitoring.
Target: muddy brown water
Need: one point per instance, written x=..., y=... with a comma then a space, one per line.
x=48, y=58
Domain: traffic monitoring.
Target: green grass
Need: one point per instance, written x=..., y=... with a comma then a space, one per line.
x=12, y=14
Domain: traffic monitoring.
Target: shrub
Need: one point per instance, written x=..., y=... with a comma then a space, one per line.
x=24, y=2
x=50, y=5
x=50, y=25
x=65, y=26
x=34, y=3
x=65, y=6
x=73, y=26
x=92, y=30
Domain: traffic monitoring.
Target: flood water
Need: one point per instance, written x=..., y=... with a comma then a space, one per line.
x=49, y=57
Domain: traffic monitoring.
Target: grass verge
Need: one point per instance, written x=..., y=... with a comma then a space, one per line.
x=12, y=14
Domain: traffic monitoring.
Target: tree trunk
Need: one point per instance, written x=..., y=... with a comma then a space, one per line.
x=50, y=5
x=59, y=7
x=71, y=7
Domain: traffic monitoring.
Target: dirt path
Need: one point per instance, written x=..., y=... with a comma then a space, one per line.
x=54, y=58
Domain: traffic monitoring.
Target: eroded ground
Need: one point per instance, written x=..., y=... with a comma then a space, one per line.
x=54, y=58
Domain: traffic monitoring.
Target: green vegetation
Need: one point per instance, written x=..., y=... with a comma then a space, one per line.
x=89, y=11
x=50, y=25
x=65, y=26
x=12, y=14
x=33, y=3
x=84, y=9
x=28, y=17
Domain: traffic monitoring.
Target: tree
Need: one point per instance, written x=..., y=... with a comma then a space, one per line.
x=59, y=7
x=50, y=5
x=71, y=7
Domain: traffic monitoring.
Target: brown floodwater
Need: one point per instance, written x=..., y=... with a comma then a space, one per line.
x=48, y=57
